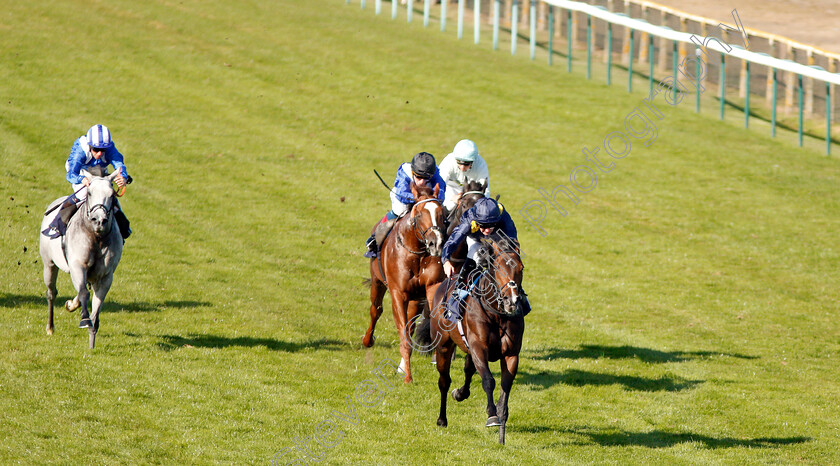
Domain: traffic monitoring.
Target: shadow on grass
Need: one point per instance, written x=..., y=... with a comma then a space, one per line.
x=630, y=352
x=14, y=301
x=662, y=439
x=577, y=378
x=172, y=342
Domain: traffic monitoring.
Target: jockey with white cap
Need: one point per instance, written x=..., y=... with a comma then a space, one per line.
x=90, y=155
x=462, y=165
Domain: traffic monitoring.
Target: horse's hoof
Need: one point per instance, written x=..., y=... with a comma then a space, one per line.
x=442, y=422
x=85, y=323
x=493, y=421
x=69, y=306
x=49, y=330
x=367, y=343
x=457, y=395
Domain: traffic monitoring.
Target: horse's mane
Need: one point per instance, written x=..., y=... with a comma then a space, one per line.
x=474, y=185
x=424, y=191
x=505, y=244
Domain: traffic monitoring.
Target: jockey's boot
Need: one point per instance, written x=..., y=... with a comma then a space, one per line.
x=526, y=304
x=380, y=231
x=58, y=227
x=122, y=223
x=461, y=289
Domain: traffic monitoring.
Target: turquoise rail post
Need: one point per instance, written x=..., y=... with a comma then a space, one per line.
x=363, y=4
x=394, y=9
x=773, y=109
x=800, y=110
x=476, y=20
x=630, y=64
x=588, y=47
x=496, y=8
x=514, y=26
x=699, y=81
x=651, y=60
x=427, y=9
x=827, y=118
x=747, y=99
x=722, y=83
x=550, y=35
x=409, y=10
x=378, y=6
x=533, y=24
x=442, y=14
x=675, y=58
x=460, y=18
x=609, y=53
x=569, y=30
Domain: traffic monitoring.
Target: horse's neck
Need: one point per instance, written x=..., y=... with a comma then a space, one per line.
x=407, y=231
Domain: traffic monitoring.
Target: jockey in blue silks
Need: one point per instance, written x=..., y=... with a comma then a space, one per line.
x=422, y=171
x=90, y=155
x=483, y=219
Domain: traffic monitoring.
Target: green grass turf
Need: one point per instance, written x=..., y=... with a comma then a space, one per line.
x=685, y=311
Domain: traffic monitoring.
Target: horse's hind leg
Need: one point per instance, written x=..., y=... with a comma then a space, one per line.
x=443, y=363
x=461, y=394
x=50, y=275
x=377, y=292
x=509, y=367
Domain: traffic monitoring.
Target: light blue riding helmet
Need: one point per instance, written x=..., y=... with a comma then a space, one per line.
x=465, y=151
x=99, y=137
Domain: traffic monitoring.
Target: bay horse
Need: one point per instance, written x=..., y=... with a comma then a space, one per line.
x=492, y=328
x=408, y=265
x=91, y=250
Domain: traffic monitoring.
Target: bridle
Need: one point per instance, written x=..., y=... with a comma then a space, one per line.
x=421, y=237
x=101, y=205
x=499, y=289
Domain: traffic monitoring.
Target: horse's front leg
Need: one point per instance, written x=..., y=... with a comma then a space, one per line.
x=400, y=306
x=510, y=364
x=377, y=292
x=488, y=383
x=78, y=275
x=100, y=290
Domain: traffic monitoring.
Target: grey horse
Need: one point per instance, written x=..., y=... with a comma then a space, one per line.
x=89, y=252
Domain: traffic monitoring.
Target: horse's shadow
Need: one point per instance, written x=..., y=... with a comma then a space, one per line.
x=172, y=342
x=630, y=352
x=662, y=439
x=578, y=378
x=15, y=301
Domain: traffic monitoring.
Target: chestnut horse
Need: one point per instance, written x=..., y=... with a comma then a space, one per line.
x=408, y=265
x=492, y=325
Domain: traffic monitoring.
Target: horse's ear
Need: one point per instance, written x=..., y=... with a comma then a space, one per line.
x=437, y=190
x=497, y=197
x=414, y=190
x=112, y=176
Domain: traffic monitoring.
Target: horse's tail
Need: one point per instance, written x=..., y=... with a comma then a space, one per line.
x=423, y=336
x=366, y=282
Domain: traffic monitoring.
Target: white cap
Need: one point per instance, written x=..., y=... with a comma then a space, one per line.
x=465, y=151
